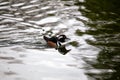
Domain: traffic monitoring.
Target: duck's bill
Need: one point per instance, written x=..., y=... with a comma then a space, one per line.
x=67, y=39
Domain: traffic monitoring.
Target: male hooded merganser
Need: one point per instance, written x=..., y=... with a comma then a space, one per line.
x=54, y=41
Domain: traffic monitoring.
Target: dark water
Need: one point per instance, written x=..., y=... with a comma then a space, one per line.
x=104, y=24
x=92, y=25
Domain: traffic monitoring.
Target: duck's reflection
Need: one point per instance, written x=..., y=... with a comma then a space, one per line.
x=62, y=49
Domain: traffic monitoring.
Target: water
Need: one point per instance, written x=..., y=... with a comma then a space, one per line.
x=105, y=27
x=23, y=52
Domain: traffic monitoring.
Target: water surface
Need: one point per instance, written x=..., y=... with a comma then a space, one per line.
x=93, y=30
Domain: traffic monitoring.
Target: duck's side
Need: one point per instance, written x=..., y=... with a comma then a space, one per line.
x=51, y=42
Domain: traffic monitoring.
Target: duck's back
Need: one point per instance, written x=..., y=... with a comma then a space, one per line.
x=53, y=39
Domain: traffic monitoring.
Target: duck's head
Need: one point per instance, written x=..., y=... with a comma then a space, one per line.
x=62, y=38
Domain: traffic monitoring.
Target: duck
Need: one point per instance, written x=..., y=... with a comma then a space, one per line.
x=54, y=41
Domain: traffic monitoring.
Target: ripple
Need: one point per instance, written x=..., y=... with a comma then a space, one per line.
x=16, y=62
x=48, y=20
x=4, y=3
x=6, y=58
x=9, y=73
